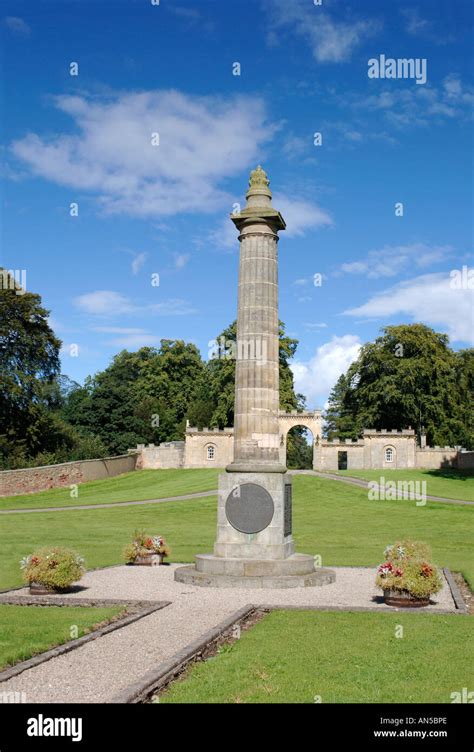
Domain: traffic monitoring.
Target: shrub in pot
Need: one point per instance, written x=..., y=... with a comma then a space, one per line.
x=52, y=570
x=146, y=550
x=407, y=576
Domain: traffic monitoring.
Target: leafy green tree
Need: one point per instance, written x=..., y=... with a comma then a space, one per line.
x=219, y=383
x=408, y=377
x=29, y=365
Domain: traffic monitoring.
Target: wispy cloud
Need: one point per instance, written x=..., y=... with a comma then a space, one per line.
x=203, y=141
x=431, y=299
x=108, y=303
x=128, y=336
x=330, y=40
x=17, y=26
x=138, y=262
x=392, y=260
x=419, y=105
x=181, y=259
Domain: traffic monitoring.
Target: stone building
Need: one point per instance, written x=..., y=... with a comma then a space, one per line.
x=214, y=447
x=384, y=450
x=375, y=450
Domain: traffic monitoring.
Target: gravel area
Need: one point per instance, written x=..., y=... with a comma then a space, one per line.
x=99, y=670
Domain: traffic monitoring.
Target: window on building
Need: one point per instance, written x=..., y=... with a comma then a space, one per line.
x=389, y=454
x=211, y=452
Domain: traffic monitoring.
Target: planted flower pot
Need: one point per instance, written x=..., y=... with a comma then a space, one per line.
x=146, y=550
x=403, y=599
x=37, y=588
x=407, y=577
x=150, y=559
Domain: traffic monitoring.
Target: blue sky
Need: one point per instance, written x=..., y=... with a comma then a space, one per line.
x=146, y=209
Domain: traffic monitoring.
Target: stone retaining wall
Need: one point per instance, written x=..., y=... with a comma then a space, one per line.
x=31, y=479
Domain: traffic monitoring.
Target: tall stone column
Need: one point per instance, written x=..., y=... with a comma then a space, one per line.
x=256, y=434
x=254, y=543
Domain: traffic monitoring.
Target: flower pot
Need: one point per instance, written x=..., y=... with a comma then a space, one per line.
x=37, y=588
x=404, y=599
x=150, y=559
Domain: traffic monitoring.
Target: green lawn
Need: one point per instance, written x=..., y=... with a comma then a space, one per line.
x=332, y=519
x=347, y=657
x=135, y=486
x=28, y=630
x=450, y=484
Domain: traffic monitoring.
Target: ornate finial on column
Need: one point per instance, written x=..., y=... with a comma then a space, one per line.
x=258, y=183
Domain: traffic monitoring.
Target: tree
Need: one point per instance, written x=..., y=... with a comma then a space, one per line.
x=29, y=365
x=142, y=397
x=408, y=377
x=218, y=389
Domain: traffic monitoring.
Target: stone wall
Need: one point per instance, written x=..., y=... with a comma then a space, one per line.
x=31, y=479
x=433, y=458
x=164, y=456
x=466, y=460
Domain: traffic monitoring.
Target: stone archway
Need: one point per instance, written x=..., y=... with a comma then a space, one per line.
x=310, y=420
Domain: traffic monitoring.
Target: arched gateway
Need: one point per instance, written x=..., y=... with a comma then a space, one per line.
x=310, y=420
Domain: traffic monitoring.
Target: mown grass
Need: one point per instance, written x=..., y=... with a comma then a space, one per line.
x=311, y=656
x=332, y=519
x=447, y=483
x=135, y=486
x=26, y=631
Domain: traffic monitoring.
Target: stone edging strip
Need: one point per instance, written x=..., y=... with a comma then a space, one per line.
x=169, y=669
x=455, y=592
x=145, y=609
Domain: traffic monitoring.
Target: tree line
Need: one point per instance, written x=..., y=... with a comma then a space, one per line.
x=408, y=377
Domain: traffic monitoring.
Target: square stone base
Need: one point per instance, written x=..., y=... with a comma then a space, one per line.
x=273, y=542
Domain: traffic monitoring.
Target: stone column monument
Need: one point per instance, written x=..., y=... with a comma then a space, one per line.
x=254, y=545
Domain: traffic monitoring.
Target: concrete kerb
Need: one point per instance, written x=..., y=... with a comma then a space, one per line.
x=455, y=592
x=140, y=608
x=168, y=670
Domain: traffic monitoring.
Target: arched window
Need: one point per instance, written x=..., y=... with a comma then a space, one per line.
x=389, y=454
x=211, y=452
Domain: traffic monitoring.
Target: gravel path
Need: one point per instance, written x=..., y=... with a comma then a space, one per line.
x=100, y=669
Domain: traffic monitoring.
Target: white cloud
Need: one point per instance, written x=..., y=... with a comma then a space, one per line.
x=300, y=216
x=110, y=303
x=104, y=302
x=181, y=259
x=128, y=336
x=203, y=141
x=316, y=377
x=430, y=299
x=300, y=282
x=419, y=105
x=331, y=41
x=391, y=260
x=138, y=262
x=311, y=325
x=17, y=25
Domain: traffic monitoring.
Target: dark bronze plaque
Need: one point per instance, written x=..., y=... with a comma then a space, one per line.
x=287, y=515
x=249, y=508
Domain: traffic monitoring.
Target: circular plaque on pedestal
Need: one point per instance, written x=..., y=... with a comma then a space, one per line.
x=249, y=508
